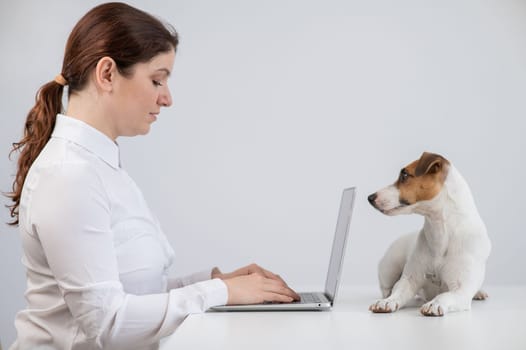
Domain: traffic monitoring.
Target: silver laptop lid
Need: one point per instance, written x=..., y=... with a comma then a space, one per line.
x=339, y=243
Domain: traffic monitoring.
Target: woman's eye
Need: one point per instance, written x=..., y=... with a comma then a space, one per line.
x=157, y=83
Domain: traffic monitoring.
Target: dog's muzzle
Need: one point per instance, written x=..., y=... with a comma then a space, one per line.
x=372, y=199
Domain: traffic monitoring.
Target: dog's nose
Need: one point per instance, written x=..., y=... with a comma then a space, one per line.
x=372, y=198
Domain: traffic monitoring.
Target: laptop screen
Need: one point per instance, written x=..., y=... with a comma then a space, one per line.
x=339, y=242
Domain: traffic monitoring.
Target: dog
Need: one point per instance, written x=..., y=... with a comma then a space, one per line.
x=445, y=262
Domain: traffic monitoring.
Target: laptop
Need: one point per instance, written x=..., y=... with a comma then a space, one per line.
x=318, y=300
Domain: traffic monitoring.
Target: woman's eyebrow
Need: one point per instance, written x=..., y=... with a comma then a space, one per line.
x=166, y=70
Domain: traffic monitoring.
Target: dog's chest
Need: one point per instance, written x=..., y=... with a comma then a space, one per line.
x=433, y=266
x=436, y=268
x=433, y=277
x=437, y=242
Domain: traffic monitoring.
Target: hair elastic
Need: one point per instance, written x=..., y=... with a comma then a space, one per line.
x=59, y=79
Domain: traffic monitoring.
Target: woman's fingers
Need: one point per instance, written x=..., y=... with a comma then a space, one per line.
x=280, y=287
x=280, y=298
x=256, y=288
x=278, y=278
x=254, y=268
x=254, y=284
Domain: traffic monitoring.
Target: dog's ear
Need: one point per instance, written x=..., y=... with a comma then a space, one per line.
x=429, y=163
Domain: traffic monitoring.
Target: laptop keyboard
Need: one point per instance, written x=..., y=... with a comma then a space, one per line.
x=310, y=298
x=306, y=298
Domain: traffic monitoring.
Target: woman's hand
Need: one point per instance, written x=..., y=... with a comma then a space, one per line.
x=253, y=284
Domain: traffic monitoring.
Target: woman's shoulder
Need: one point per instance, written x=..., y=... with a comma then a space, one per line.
x=65, y=158
x=60, y=151
x=64, y=166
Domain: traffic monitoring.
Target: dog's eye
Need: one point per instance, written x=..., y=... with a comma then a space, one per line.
x=403, y=175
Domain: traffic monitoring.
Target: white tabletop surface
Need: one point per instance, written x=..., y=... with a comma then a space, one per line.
x=496, y=323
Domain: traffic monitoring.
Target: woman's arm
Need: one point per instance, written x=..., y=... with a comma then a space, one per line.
x=179, y=282
x=248, y=285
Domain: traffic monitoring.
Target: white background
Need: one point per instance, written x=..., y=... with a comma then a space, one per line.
x=279, y=105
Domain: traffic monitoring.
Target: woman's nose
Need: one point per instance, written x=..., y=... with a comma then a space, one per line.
x=165, y=98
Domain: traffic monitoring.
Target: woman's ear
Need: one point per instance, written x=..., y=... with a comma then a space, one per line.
x=105, y=73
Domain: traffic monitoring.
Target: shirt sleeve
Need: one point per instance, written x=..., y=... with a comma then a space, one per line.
x=71, y=217
x=178, y=282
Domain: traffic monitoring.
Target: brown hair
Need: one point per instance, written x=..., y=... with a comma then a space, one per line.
x=122, y=32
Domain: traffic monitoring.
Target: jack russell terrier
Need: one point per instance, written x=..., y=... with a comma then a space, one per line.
x=445, y=262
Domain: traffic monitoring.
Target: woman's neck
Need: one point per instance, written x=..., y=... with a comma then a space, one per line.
x=89, y=107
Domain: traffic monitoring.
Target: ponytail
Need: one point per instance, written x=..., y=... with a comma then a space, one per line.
x=39, y=125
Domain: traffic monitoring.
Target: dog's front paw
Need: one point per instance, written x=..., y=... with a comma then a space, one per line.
x=481, y=295
x=433, y=308
x=384, y=306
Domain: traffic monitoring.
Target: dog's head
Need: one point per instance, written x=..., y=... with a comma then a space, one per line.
x=418, y=182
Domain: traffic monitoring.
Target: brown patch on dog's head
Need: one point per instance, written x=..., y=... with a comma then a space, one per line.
x=423, y=179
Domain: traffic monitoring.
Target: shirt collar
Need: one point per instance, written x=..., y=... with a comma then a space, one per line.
x=87, y=137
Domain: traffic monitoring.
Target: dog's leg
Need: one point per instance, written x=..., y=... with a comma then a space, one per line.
x=447, y=302
x=403, y=291
x=389, y=272
x=395, y=260
x=392, y=264
x=463, y=286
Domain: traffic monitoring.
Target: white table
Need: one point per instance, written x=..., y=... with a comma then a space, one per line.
x=496, y=323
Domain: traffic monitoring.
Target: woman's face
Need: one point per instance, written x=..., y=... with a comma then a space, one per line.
x=138, y=99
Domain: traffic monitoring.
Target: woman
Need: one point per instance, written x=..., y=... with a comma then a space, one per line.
x=96, y=258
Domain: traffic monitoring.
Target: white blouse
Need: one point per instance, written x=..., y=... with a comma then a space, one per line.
x=96, y=257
